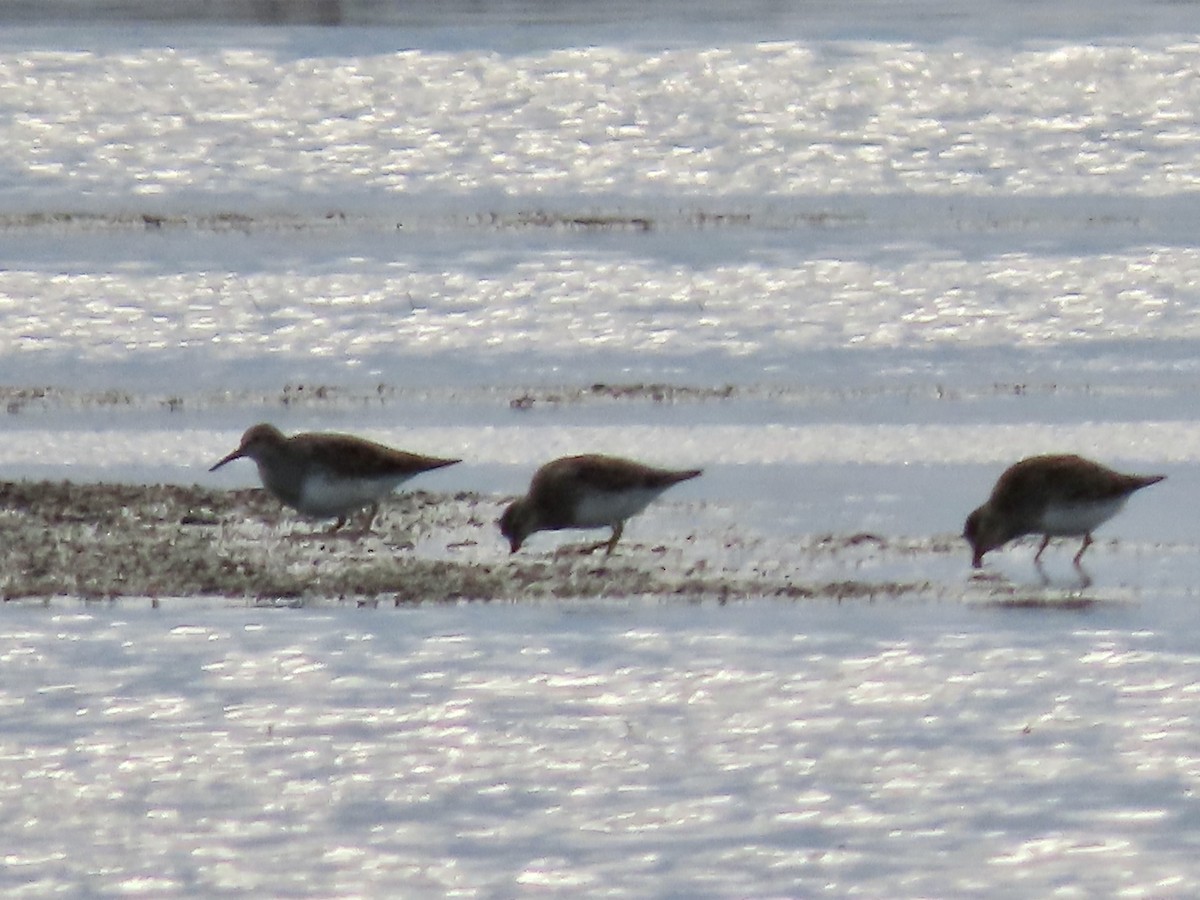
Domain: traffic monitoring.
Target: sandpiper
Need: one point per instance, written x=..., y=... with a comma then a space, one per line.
x=326, y=475
x=589, y=491
x=1058, y=495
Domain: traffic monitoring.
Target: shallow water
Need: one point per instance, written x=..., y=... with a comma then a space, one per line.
x=851, y=260
x=621, y=748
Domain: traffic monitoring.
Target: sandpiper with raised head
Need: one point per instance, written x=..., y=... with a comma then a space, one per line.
x=1057, y=495
x=589, y=491
x=324, y=475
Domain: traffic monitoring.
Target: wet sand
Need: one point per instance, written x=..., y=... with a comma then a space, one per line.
x=108, y=541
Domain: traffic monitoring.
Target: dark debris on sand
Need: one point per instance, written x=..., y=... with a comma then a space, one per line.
x=102, y=541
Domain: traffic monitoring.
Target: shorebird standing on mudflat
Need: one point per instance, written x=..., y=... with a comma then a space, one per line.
x=589, y=491
x=324, y=475
x=1055, y=496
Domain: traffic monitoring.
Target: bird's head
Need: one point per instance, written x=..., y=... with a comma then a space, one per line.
x=258, y=441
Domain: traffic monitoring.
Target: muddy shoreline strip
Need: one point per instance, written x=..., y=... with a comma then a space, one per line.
x=110, y=541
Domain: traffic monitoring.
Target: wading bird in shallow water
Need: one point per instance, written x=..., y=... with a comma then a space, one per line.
x=1055, y=496
x=590, y=491
x=327, y=475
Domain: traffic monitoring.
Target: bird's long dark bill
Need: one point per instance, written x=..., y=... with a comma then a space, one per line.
x=236, y=454
x=977, y=561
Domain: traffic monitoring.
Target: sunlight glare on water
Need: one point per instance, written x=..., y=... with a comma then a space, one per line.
x=923, y=118
x=421, y=734
x=614, y=312
x=851, y=277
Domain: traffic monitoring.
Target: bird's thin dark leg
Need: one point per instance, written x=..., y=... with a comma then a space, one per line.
x=608, y=545
x=1087, y=542
x=1045, y=541
x=616, y=536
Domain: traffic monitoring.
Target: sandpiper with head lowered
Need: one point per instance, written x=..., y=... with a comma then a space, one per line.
x=325, y=475
x=589, y=491
x=1057, y=495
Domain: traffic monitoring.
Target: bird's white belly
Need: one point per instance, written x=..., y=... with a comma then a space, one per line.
x=1075, y=519
x=599, y=509
x=327, y=496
